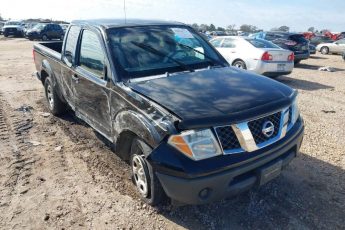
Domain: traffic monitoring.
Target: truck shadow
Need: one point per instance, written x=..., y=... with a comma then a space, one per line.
x=302, y=84
x=303, y=197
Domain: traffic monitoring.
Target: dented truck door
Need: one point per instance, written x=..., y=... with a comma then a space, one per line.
x=90, y=83
x=68, y=64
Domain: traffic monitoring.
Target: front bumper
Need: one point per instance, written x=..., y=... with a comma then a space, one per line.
x=13, y=31
x=32, y=35
x=216, y=186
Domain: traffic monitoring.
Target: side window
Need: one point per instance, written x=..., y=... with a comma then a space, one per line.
x=91, y=55
x=228, y=43
x=216, y=42
x=270, y=37
x=342, y=41
x=71, y=44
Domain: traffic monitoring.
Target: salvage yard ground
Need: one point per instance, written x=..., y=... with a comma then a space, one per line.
x=58, y=173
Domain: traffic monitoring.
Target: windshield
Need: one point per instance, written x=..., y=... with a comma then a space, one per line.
x=38, y=27
x=259, y=43
x=152, y=50
x=13, y=23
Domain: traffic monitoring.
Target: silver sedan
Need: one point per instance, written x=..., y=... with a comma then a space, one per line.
x=256, y=55
x=334, y=47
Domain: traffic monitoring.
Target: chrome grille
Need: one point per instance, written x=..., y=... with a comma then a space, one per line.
x=256, y=127
x=227, y=138
x=248, y=136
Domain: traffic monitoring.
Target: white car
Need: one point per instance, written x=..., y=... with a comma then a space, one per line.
x=334, y=47
x=256, y=55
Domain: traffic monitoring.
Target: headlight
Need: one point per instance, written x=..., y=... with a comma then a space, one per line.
x=196, y=145
x=295, y=112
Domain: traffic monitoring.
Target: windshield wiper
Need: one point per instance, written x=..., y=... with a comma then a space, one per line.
x=214, y=61
x=159, y=53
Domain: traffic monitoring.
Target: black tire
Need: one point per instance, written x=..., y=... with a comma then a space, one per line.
x=5, y=35
x=297, y=61
x=239, y=64
x=324, y=50
x=45, y=37
x=55, y=105
x=155, y=194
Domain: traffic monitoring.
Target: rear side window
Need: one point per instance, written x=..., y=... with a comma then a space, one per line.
x=71, y=44
x=216, y=42
x=91, y=53
x=228, y=43
x=258, y=43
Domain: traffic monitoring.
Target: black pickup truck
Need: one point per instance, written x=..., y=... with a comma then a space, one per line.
x=192, y=128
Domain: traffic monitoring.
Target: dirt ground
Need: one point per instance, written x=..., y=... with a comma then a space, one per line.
x=57, y=173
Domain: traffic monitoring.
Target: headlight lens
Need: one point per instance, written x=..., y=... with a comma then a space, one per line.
x=295, y=112
x=196, y=145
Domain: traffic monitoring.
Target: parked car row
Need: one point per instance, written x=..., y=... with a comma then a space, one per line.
x=334, y=47
x=45, y=31
x=15, y=28
x=257, y=55
x=290, y=41
x=33, y=31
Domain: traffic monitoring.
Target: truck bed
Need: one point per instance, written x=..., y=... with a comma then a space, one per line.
x=56, y=45
x=49, y=49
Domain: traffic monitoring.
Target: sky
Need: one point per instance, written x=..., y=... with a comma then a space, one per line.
x=299, y=15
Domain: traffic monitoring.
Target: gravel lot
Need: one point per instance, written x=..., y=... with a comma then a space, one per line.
x=57, y=173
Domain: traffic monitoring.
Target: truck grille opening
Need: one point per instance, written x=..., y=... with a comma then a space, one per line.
x=227, y=138
x=256, y=127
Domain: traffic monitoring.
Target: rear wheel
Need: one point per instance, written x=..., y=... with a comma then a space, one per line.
x=143, y=176
x=239, y=64
x=324, y=50
x=5, y=34
x=45, y=37
x=55, y=105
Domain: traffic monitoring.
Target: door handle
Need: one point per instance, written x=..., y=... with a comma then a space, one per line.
x=75, y=78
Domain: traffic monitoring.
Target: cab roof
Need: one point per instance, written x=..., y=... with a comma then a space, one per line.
x=113, y=23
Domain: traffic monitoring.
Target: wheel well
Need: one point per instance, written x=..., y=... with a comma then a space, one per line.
x=238, y=59
x=124, y=144
x=44, y=76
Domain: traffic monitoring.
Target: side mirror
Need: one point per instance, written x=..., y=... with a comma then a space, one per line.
x=67, y=59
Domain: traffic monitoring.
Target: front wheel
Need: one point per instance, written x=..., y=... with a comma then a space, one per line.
x=324, y=50
x=44, y=37
x=56, y=106
x=143, y=176
x=240, y=64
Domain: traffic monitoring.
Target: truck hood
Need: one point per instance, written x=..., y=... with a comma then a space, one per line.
x=216, y=96
x=13, y=26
